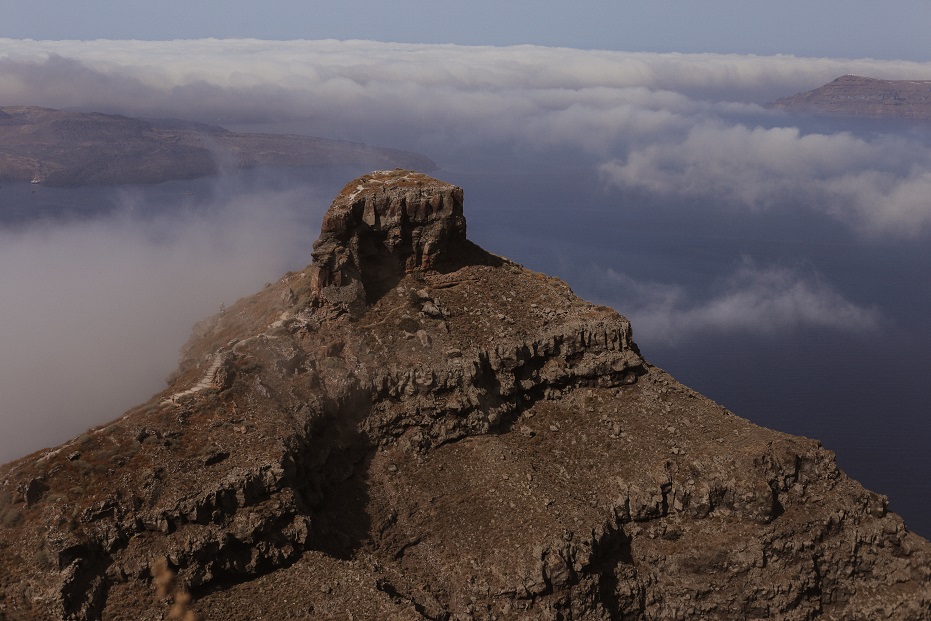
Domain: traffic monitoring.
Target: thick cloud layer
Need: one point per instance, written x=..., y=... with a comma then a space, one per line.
x=95, y=311
x=689, y=126
x=329, y=72
x=680, y=132
x=879, y=186
x=752, y=300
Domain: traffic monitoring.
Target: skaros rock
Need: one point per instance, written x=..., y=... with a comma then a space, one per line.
x=413, y=428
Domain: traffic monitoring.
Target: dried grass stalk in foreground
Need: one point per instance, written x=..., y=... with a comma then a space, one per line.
x=166, y=586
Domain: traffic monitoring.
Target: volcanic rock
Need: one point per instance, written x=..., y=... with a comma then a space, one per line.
x=381, y=227
x=455, y=438
x=855, y=96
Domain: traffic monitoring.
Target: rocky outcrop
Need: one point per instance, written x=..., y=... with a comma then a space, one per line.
x=474, y=442
x=381, y=227
x=855, y=96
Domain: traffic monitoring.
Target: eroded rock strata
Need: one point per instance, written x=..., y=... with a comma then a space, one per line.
x=452, y=437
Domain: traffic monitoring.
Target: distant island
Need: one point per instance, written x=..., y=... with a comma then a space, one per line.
x=860, y=97
x=62, y=148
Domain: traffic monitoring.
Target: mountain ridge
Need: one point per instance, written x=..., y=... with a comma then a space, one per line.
x=414, y=428
x=864, y=97
x=61, y=148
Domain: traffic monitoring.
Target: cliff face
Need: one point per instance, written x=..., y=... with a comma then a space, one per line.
x=855, y=96
x=412, y=428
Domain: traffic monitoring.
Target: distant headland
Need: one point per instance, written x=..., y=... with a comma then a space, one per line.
x=62, y=148
x=860, y=97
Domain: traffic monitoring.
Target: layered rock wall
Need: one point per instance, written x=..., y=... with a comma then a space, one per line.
x=382, y=226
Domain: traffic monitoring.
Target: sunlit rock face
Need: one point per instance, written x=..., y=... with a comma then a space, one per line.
x=413, y=428
x=383, y=226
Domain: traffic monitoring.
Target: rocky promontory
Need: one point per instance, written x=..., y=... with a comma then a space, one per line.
x=61, y=148
x=414, y=428
x=860, y=97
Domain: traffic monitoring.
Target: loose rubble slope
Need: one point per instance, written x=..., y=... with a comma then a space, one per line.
x=412, y=428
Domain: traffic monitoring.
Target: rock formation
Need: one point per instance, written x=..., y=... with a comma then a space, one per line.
x=454, y=438
x=381, y=227
x=855, y=96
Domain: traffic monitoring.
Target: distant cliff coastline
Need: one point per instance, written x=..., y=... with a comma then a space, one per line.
x=855, y=96
x=58, y=148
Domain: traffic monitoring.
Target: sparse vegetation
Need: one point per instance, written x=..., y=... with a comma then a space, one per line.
x=44, y=559
x=168, y=588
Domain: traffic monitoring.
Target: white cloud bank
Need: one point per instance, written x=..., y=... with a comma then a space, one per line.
x=661, y=123
x=351, y=69
x=879, y=186
x=752, y=300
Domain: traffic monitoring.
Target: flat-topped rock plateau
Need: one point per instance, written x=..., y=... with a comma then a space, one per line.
x=413, y=428
x=59, y=148
x=856, y=96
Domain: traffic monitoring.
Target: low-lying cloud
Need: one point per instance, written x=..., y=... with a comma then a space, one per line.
x=751, y=300
x=333, y=73
x=877, y=186
x=94, y=312
x=684, y=125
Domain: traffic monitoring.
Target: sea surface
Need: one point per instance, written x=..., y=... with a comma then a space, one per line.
x=862, y=390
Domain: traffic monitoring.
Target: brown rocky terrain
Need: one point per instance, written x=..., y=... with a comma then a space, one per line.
x=856, y=96
x=413, y=428
x=60, y=148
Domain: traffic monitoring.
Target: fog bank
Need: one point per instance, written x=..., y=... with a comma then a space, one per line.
x=95, y=310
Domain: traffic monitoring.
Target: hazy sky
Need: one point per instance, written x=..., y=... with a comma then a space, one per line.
x=841, y=28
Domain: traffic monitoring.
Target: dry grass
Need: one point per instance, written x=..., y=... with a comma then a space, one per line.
x=167, y=587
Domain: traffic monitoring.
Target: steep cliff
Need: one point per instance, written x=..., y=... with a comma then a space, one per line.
x=856, y=96
x=412, y=428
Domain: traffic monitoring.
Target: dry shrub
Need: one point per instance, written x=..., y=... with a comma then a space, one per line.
x=166, y=586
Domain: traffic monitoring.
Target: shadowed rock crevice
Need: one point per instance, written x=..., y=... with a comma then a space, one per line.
x=332, y=477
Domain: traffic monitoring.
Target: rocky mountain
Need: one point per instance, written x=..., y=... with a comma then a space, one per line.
x=71, y=149
x=855, y=96
x=414, y=428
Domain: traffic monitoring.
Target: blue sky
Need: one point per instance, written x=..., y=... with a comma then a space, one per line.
x=887, y=30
